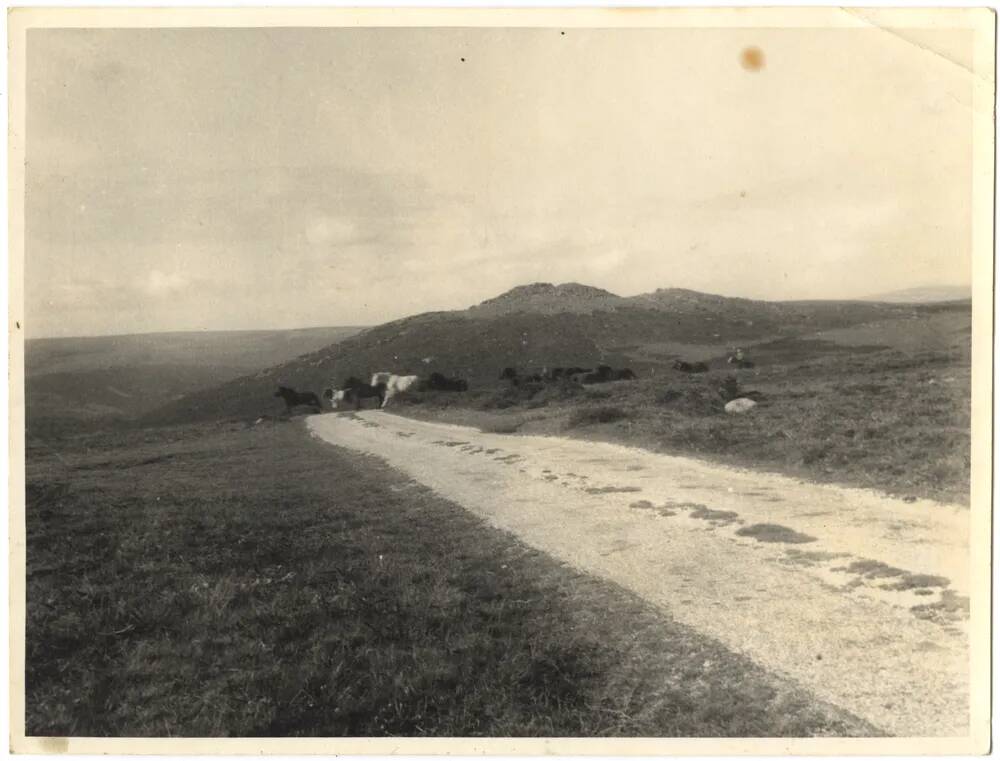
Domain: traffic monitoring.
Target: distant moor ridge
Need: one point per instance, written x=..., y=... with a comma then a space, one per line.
x=539, y=325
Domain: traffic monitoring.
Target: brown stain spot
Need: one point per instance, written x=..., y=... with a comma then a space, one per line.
x=752, y=58
x=18, y=324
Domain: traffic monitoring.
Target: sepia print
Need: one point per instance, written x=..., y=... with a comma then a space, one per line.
x=467, y=381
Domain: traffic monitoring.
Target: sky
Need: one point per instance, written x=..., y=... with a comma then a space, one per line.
x=194, y=179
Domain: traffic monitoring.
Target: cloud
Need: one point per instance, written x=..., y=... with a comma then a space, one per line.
x=329, y=230
x=157, y=283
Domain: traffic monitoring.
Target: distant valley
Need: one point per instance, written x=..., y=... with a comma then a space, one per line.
x=87, y=382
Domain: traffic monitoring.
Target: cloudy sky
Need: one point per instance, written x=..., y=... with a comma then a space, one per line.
x=217, y=179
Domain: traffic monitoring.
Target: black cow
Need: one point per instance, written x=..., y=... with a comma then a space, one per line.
x=690, y=367
x=293, y=398
x=437, y=382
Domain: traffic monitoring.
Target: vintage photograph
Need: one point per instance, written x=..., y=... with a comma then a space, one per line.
x=393, y=375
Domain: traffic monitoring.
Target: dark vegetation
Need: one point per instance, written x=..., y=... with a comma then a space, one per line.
x=225, y=579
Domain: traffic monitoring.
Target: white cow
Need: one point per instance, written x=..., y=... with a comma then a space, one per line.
x=335, y=396
x=394, y=384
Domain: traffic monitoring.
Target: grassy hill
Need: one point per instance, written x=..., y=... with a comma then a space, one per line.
x=540, y=325
x=92, y=382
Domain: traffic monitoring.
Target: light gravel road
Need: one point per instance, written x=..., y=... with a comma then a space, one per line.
x=864, y=607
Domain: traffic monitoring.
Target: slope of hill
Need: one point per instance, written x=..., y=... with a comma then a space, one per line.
x=532, y=327
x=83, y=383
x=249, y=349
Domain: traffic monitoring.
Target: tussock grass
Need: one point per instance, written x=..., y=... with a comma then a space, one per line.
x=211, y=581
x=596, y=416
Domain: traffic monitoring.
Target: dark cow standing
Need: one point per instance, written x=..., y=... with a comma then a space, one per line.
x=690, y=367
x=438, y=382
x=356, y=389
x=295, y=398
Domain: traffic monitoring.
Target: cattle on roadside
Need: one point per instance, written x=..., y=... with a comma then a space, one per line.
x=293, y=398
x=355, y=389
x=335, y=396
x=394, y=384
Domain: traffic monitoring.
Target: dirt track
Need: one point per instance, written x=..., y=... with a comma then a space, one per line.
x=815, y=603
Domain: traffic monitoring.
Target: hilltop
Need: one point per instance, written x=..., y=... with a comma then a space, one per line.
x=531, y=327
x=546, y=298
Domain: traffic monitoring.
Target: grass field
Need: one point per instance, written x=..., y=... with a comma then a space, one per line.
x=221, y=579
x=893, y=419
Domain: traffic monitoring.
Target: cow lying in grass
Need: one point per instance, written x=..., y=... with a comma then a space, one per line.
x=438, y=382
x=293, y=398
x=690, y=367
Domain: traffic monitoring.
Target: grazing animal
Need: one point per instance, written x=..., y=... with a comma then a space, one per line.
x=355, y=390
x=437, y=382
x=625, y=374
x=739, y=406
x=295, y=398
x=335, y=396
x=508, y=374
x=394, y=384
x=690, y=367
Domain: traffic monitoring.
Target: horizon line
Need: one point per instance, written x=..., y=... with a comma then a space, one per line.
x=188, y=331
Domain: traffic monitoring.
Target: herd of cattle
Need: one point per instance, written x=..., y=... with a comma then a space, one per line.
x=385, y=385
